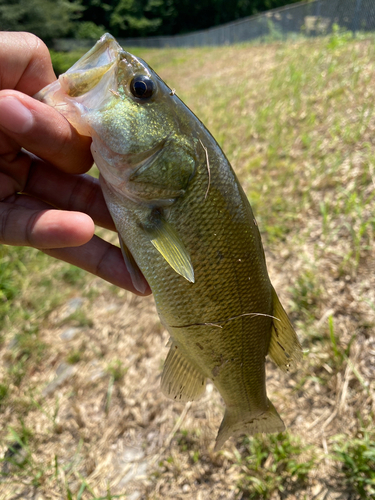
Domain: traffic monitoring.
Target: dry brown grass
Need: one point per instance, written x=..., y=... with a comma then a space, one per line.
x=297, y=123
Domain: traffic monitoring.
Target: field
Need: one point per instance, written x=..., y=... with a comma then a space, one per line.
x=81, y=412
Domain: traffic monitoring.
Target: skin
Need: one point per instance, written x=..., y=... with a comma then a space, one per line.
x=45, y=200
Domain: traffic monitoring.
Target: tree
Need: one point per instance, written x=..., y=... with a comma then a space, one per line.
x=124, y=18
x=129, y=19
x=45, y=18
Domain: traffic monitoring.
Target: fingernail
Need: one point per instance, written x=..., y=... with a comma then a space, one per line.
x=14, y=116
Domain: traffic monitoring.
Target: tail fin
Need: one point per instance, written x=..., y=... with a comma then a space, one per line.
x=235, y=423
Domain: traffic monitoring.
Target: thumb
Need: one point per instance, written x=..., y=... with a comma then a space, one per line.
x=41, y=130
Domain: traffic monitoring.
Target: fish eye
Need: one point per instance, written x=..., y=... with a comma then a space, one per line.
x=142, y=87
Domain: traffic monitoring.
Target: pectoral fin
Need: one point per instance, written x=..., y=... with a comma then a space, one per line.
x=285, y=349
x=138, y=280
x=180, y=379
x=166, y=241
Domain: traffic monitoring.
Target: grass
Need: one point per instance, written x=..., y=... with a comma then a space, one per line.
x=275, y=463
x=296, y=121
x=356, y=458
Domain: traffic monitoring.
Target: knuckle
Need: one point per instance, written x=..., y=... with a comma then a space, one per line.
x=29, y=234
x=15, y=227
x=4, y=224
x=30, y=223
x=36, y=45
x=86, y=193
x=100, y=268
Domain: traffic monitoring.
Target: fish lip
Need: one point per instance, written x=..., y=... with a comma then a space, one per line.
x=106, y=46
x=106, y=58
x=110, y=56
x=104, y=53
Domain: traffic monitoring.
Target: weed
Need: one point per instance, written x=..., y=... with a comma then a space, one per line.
x=276, y=462
x=340, y=36
x=336, y=351
x=274, y=33
x=357, y=459
x=306, y=293
x=73, y=275
x=12, y=269
x=18, y=454
x=116, y=369
x=117, y=372
x=24, y=352
x=74, y=357
x=188, y=441
x=78, y=318
x=4, y=390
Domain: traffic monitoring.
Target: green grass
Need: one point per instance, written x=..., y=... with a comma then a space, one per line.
x=356, y=460
x=116, y=370
x=279, y=462
x=62, y=61
x=32, y=285
x=296, y=121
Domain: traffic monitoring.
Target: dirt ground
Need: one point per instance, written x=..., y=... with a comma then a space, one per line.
x=89, y=420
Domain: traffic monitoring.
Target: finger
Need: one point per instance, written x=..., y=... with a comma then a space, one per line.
x=81, y=193
x=96, y=256
x=13, y=176
x=43, y=131
x=25, y=63
x=102, y=259
x=43, y=228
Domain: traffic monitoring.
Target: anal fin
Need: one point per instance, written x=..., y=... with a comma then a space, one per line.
x=181, y=380
x=284, y=349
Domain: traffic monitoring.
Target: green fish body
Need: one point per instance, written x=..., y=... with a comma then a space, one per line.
x=185, y=222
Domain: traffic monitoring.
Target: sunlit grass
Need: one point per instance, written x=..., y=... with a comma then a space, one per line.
x=296, y=121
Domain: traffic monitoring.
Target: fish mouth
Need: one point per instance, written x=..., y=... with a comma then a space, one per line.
x=91, y=81
x=103, y=61
x=87, y=72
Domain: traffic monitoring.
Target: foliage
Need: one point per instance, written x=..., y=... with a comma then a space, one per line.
x=129, y=17
x=278, y=462
x=357, y=459
x=339, y=36
x=88, y=30
x=45, y=18
x=123, y=18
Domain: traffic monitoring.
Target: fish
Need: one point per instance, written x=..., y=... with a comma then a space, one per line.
x=185, y=222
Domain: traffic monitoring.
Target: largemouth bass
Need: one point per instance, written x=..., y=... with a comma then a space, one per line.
x=185, y=222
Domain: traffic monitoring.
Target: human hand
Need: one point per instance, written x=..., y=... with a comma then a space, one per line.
x=43, y=202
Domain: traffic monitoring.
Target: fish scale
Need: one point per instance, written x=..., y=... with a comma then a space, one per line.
x=185, y=222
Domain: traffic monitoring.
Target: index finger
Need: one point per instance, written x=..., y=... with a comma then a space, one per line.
x=25, y=63
x=25, y=68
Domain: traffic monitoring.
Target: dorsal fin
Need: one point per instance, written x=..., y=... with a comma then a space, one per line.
x=285, y=349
